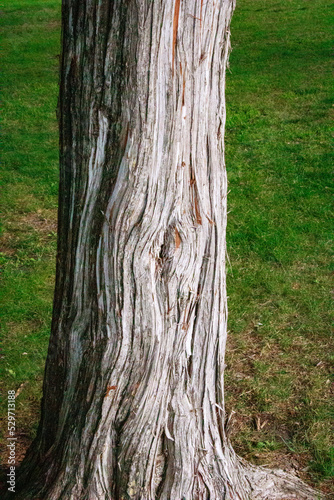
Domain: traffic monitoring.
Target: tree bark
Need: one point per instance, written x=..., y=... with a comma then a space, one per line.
x=133, y=404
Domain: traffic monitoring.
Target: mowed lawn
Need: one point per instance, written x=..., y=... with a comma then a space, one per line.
x=278, y=379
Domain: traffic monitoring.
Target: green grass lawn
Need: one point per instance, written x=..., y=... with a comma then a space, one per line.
x=279, y=240
x=279, y=233
x=30, y=49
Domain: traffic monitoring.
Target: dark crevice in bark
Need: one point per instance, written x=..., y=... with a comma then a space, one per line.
x=161, y=475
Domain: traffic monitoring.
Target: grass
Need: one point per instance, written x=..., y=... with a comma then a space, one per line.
x=279, y=239
x=30, y=48
x=279, y=233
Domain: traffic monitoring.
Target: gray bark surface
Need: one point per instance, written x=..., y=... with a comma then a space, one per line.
x=133, y=404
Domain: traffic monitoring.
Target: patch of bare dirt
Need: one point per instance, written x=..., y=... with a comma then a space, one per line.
x=54, y=24
x=22, y=444
x=41, y=222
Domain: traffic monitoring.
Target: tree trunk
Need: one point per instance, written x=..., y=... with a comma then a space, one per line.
x=133, y=403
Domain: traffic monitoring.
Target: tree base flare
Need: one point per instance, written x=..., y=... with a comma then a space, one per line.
x=237, y=480
x=266, y=484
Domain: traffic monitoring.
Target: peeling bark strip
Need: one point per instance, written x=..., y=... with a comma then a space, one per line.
x=133, y=403
x=175, y=26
